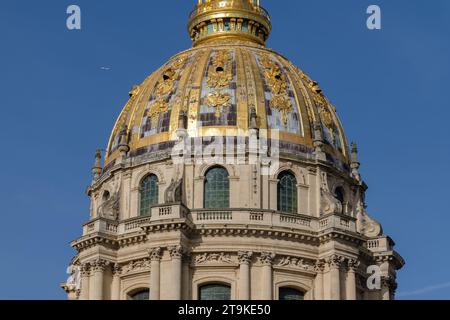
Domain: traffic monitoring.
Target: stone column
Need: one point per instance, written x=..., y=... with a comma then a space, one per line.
x=350, y=284
x=267, y=277
x=97, y=279
x=85, y=275
x=176, y=253
x=155, y=273
x=387, y=288
x=318, y=283
x=115, y=287
x=244, y=275
x=186, y=287
x=334, y=263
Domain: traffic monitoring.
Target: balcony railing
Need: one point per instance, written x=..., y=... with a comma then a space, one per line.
x=202, y=217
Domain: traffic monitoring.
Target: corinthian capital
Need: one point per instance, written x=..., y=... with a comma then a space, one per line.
x=99, y=265
x=319, y=266
x=335, y=261
x=245, y=257
x=85, y=270
x=116, y=269
x=353, y=264
x=176, y=252
x=267, y=258
x=155, y=254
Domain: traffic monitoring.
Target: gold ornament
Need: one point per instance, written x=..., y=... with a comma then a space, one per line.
x=220, y=72
x=278, y=86
x=218, y=100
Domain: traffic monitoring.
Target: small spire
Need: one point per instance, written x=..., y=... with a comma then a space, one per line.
x=182, y=120
x=124, y=148
x=97, y=169
x=354, y=162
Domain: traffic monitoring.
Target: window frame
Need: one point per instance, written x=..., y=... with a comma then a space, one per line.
x=140, y=191
x=283, y=208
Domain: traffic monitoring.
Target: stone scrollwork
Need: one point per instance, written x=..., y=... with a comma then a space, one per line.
x=369, y=226
x=329, y=203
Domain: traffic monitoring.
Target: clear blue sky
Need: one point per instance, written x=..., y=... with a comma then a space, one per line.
x=57, y=106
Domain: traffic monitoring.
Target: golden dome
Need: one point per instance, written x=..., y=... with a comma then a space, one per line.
x=218, y=84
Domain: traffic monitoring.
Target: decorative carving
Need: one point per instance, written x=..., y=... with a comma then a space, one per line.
x=99, y=265
x=278, y=85
x=353, y=264
x=165, y=87
x=267, y=258
x=245, y=257
x=110, y=208
x=369, y=226
x=85, y=270
x=73, y=283
x=329, y=203
x=137, y=266
x=173, y=192
x=220, y=72
x=213, y=257
x=155, y=254
x=176, y=252
x=319, y=266
x=218, y=100
x=116, y=269
x=294, y=262
x=335, y=261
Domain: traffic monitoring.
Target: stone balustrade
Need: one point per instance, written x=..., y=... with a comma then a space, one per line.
x=203, y=217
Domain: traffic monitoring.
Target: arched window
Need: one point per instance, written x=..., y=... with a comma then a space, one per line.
x=217, y=189
x=143, y=294
x=340, y=195
x=286, y=293
x=212, y=292
x=287, y=193
x=148, y=194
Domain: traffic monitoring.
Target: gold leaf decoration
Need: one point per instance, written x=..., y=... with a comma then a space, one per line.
x=218, y=100
x=279, y=86
x=220, y=72
x=163, y=88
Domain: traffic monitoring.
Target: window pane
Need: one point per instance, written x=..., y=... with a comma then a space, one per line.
x=215, y=292
x=148, y=194
x=291, y=294
x=217, y=189
x=141, y=295
x=287, y=193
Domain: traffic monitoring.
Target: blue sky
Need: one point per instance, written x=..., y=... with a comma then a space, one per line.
x=58, y=106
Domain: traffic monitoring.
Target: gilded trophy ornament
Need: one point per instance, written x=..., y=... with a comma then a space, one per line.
x=278, y=85
x=218, y=101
